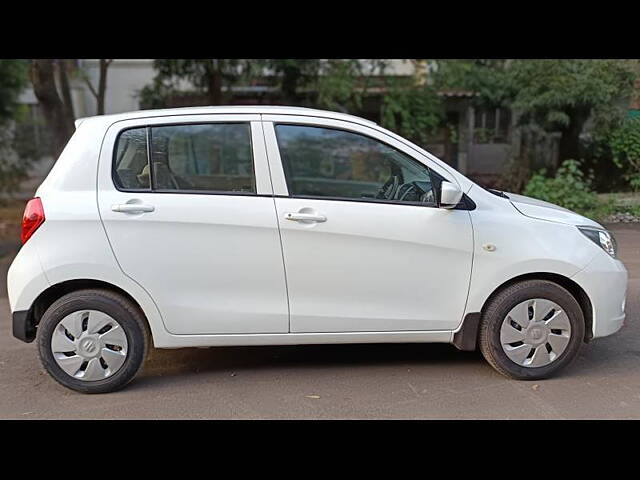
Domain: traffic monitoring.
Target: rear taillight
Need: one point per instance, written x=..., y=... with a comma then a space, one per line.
x=33, y=217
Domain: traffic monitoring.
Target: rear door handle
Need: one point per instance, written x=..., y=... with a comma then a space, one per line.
x=305, y=217
x=132, y=208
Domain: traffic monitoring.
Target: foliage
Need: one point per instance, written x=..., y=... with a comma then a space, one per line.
x=488, y=80
x=569, y=188
x=13, y=78
x=342, y=84
x=291, y=75
x=556, y=95
x=625, y=146
x=551, y=91
x=14, y=159
x=337, y=85
x=155, y=94
x=13, y=170
x=333, y=84
x=197, y=72
x=562, y=96
x=414, y=112
x=206, y=75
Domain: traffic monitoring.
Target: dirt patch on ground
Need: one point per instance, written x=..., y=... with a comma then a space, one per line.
x=10, y=219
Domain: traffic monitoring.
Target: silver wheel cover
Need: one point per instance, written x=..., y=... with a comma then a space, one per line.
x=89, y=345
x=535, y=333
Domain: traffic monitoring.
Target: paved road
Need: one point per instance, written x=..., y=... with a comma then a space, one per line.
x=343, y=381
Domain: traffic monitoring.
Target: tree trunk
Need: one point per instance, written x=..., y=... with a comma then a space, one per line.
x=290, y=78
x=569, y=147
x=214, y=90
x=44, y=87
x=63, y=66
x=102, y=85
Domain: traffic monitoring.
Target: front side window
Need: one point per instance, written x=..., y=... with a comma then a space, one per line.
x=326, y=162
x=212, y=157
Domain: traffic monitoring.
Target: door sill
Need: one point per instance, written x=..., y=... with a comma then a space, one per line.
x=180, y=341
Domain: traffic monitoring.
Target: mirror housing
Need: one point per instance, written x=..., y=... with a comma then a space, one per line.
x=450, y=195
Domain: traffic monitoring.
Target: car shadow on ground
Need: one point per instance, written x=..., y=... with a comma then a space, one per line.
x=304, y=356
x=599, y=360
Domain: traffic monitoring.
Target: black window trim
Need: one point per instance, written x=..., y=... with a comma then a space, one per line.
x=465, y=204
x=148, y=128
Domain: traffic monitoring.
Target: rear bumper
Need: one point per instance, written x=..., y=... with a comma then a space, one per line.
x=23, y=328
x=605, y=282
x=25, y=282
x=25, y=278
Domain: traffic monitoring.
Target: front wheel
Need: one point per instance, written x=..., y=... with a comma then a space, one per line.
x=531, y=330
x=92, y=341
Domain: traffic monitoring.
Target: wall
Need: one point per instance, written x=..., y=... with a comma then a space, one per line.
x=125, y=78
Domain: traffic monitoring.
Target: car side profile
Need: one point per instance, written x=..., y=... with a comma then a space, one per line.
x=214, y=226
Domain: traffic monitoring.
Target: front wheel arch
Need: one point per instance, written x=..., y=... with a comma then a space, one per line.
x=466, y=338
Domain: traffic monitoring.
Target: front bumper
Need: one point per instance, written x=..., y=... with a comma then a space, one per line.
x=604, y=280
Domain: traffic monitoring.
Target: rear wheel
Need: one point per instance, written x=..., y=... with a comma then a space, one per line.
x=92, y=341
x=531, y=330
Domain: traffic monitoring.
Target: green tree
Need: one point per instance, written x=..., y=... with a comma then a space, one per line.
x=13, y=79
x=625, y=145
x=556, y=95
x=206, y=75
x=488, y=80
x=414, y=108
x=291, y=75
x=336, y=84
x=413, y=111
x=343, y=84
x=562, y=95
x=13, y=168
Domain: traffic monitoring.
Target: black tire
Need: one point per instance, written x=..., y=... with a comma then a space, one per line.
x=502, y=303
x=122, y=310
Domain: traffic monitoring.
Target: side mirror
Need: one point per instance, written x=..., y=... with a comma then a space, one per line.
x=450, y=195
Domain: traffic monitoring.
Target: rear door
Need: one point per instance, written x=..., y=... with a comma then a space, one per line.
x=187, y=206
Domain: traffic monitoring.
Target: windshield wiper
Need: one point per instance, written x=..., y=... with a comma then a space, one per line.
x=497, y=193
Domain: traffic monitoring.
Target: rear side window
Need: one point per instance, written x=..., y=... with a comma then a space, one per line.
x=131, y=161
x=210, y=157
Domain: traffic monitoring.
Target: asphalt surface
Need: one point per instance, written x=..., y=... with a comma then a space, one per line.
x=340, y=381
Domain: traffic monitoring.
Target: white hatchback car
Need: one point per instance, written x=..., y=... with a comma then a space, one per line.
x=279, y=225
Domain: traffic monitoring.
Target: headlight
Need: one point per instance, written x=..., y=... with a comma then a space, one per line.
x=602, y=238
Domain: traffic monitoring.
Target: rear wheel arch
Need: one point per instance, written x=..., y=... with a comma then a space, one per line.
x=467, y=337
x=54, y=292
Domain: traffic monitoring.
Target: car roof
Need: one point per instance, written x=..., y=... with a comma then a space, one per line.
x=230, y=109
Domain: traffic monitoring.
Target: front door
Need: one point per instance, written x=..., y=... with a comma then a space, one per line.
x=190, y=217
x=365, y=247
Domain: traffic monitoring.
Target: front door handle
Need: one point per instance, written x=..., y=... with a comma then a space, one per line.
x=305, y=217
x=132, y=208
